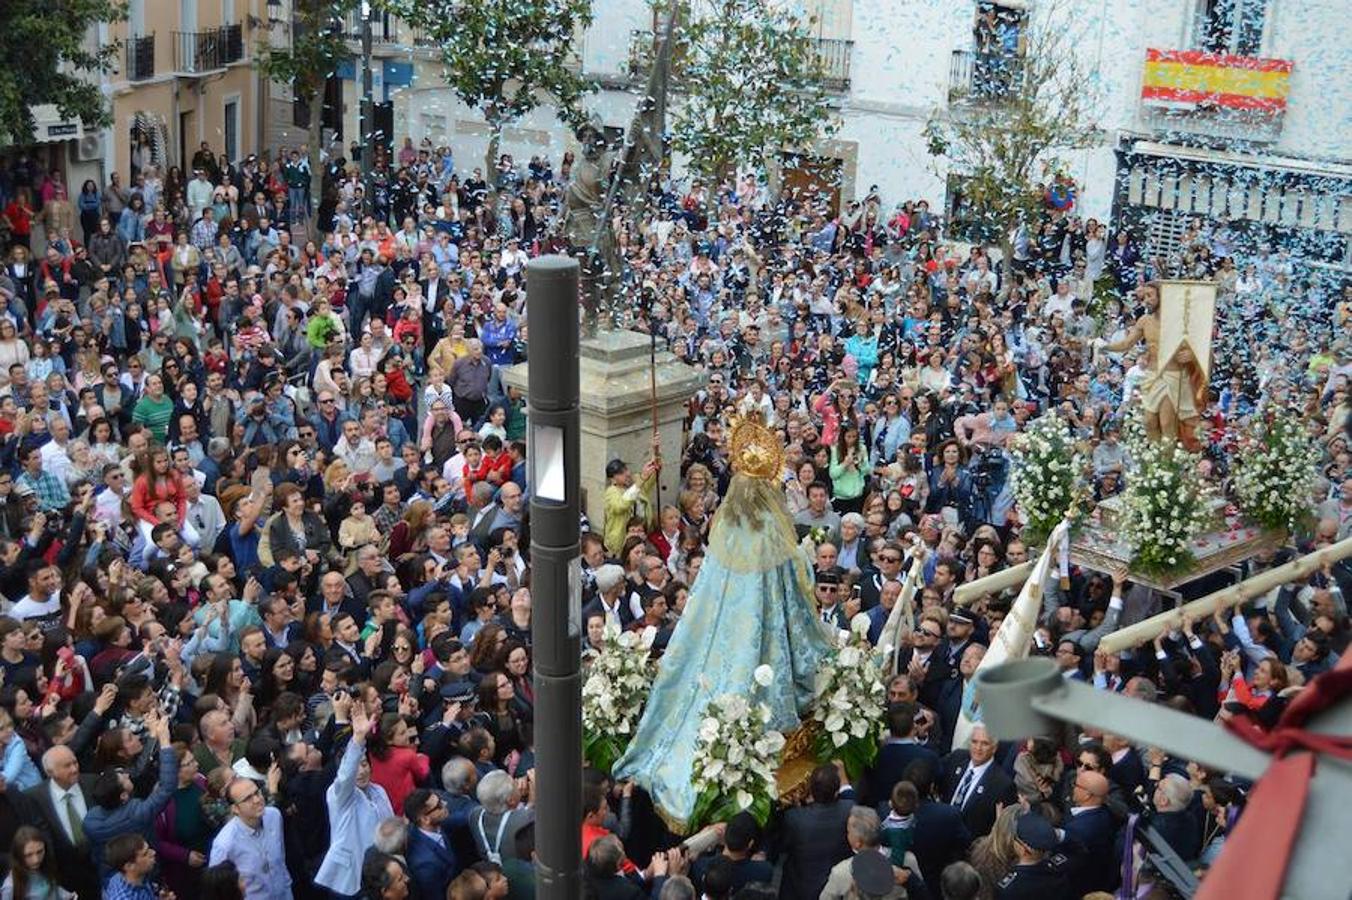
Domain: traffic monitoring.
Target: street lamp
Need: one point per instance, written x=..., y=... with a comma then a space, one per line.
x=552, y=397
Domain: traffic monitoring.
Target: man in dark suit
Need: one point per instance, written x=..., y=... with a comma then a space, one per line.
x=1092, y=827
x=830, y=602
x=952, y=691
x=888, y=569
x=431, y=861
x=898, y=752
x=926, y=660
x=941, y=837
x=813, y=838
x=974, y=784
x=1127, y=772
x=435, y=290
x=58, y=807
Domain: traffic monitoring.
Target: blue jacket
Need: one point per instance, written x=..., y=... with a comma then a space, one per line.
x=102, y=825
x=432, y=865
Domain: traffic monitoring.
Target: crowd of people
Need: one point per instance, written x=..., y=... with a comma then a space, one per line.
x=264, y=543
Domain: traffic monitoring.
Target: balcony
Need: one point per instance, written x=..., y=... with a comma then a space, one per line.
x=384, y=27
x=1216, y=95
x=983, y=78
x=141, y=57
x=196, y=52
x=833, y=58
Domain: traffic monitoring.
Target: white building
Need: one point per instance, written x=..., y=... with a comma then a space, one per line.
x=1233, y=109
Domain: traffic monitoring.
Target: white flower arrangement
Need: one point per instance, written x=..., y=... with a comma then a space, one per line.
x=1275, y=470
x=736, y=758
x=1047, y=476
x=619, y=679
x=1165, y=503
x=851, y=702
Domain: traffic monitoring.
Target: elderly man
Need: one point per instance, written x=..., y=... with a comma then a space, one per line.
x=1093, y=827
x=611, y=598
x=860, y=874
x=60, y=805
x=468, y=379
x=973, y=783
x=1174, y=818
x=502, y=813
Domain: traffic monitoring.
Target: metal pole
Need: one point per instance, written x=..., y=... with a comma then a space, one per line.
x=367, y=129
x=553, y=413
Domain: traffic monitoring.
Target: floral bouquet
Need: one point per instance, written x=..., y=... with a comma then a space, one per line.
x=1046, y=476
x=619, y=678
x=736, y=757
x=1165, y=504
x=1274, y=472
x=851, y=702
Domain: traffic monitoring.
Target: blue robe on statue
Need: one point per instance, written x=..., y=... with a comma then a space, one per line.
x=752, y=604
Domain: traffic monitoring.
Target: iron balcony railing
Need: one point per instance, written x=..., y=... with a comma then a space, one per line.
x=833, y=58
x=141, y=57
x=384, y=27
x=983, y=77
x=203, y=51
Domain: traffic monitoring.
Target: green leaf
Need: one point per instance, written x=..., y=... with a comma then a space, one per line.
x=47, y=60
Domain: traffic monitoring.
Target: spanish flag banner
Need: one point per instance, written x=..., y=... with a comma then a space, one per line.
x=1191, y=78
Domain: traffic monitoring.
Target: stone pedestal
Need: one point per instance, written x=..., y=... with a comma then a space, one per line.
x=617, y=419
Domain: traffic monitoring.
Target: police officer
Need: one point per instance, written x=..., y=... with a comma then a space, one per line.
x=1041, y=873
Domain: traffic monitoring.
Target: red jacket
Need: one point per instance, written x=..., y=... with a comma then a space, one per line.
x=144, y=496
x=402, y=770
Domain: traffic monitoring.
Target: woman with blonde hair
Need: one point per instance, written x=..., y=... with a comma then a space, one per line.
x=994, y=855
x=409, y=532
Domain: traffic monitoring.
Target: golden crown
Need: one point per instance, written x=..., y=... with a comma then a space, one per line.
x=756, y=450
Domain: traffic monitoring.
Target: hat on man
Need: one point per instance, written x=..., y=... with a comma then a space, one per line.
x=457, y=692
x=24, y=490
x=1035, y=832
x=961, y=617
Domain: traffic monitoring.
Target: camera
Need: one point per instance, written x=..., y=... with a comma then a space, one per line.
x=986, y=466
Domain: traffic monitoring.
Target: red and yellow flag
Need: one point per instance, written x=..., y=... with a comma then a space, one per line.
x=1191, y=77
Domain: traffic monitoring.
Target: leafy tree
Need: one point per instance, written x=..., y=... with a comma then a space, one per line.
x=505, y=57
x=1003, y=138
x=317, y=48
x=753, y=86
x=46, y=61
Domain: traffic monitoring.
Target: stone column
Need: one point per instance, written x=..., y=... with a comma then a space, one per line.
x=617, y=410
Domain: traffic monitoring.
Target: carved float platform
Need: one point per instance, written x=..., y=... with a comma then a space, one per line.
x=1097, y=545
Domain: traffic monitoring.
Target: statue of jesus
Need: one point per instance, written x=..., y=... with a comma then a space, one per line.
x=1177, y=357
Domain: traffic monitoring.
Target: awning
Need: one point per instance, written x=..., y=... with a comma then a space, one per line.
x=1221, y=157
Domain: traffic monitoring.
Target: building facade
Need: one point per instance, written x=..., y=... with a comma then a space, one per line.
x=186, y=77
x=1228, y=110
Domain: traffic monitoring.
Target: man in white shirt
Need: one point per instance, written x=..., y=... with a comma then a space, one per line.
x=63, y=801
x=358, y=451
x=252, y=840
x=204, y=512
x=54, y=457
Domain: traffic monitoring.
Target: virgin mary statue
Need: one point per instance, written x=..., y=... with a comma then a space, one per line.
x=751, y=605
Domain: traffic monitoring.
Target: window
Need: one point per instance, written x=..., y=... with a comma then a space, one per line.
x=136, y=18
x=232, y=129
x=1229, y=26
x=187, y=16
